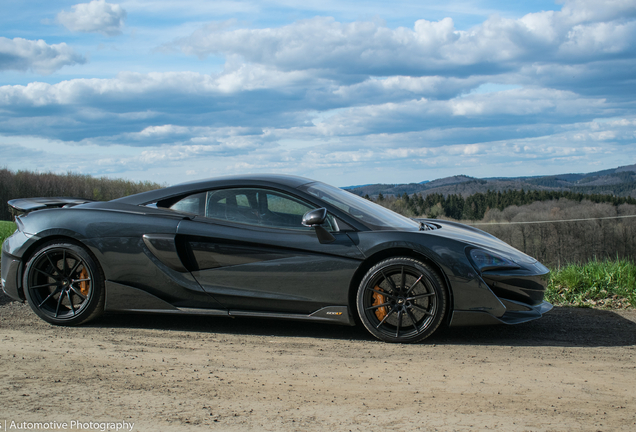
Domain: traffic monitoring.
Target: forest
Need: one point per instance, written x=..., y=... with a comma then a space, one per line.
x=475, y=206
x=545, y=225
x=27, y=184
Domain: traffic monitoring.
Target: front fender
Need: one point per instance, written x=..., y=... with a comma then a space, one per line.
x=468, y=290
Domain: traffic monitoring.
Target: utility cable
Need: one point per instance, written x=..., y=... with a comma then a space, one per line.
x=551, y=221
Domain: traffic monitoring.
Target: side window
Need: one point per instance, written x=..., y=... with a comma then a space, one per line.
x=194, y=204
x=281, y=205
x=252, y=206
x=281, y=210
x=242, y=201
x=237, y=205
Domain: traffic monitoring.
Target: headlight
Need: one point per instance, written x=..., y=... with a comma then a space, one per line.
x=484, y=260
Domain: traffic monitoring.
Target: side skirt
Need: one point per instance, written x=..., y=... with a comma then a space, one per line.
x=122, y=298
x=330, y=314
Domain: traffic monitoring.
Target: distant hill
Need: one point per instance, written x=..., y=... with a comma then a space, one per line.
x=619, y=181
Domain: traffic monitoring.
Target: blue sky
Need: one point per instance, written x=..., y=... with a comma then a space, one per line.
x=340, y=91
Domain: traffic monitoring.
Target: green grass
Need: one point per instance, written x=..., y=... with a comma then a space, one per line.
x=609, y=284
x=6, y=229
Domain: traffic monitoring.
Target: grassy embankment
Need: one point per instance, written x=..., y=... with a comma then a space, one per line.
x=610, y=284
x=6, y=229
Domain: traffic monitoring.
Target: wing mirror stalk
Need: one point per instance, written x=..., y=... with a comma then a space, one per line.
x=315, y=219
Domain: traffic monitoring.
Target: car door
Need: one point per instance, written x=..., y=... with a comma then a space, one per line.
x=247, y=248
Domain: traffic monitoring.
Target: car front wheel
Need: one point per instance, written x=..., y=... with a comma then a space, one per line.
x=401, y=300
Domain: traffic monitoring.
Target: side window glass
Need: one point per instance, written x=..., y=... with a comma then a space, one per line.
x=230, y=204
x=282, y=211
x=285, y=211
x=251, y=206
x=194, y=204
x=242, y=201
x=279, y=204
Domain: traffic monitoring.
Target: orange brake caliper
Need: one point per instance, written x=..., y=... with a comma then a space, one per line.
x=378, y=299
x=83, y=286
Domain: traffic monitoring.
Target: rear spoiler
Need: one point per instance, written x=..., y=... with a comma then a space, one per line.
x=31, y=204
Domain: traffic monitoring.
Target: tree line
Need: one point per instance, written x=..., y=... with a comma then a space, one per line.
x=607, y=233
x=542, y=228
x=474, y=207
x=27, y=184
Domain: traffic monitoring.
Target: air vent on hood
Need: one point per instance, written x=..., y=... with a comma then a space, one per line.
x=428, y=226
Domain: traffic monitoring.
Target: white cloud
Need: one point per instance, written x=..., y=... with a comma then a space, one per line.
x=36, y=55
x=94, y=17
x=411, y=155
x=516, y=106
x=577, y=33
x=578, y=11
x=202, y=109
x=327, y=97
x=129, y=85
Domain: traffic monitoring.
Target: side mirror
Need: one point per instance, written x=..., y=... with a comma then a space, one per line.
x=314, y=219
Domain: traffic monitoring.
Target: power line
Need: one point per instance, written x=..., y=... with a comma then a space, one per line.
x=552, y=221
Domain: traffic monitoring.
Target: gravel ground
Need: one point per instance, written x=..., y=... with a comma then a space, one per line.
x=575, y=369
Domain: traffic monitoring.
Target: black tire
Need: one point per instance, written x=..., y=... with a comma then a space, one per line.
x=63, y=284
x=401, y=300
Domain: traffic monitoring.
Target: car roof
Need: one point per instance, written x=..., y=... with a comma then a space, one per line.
x=271, y=180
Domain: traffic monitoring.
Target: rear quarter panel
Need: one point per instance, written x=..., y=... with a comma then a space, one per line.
x=115, y=239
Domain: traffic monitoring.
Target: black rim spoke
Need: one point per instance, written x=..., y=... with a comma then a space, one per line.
x=382, y=293
x=49, y=296
x=59, y=303
x=43, y=286
x=420, y=296
x=403, y=280
x=378, y=306
x=77, y=264
x=399, y=324
x=68, y=295
x=411, y=317
x=52, y=265
x=413, y=286
x=46, y=274
x=81, y=280
x=385, y=317
x=64, y=266
x=422, y=309
x=79, y=293
x=389, y=280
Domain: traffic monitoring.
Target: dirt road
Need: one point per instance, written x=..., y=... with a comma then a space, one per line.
x=575, y=369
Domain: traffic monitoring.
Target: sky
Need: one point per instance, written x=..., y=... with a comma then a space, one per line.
x=346, y=92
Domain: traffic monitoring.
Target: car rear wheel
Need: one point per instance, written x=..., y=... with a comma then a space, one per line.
x=63, y=284
x=401, y=300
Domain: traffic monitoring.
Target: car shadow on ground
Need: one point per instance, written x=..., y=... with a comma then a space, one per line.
x=564, y=327
x=4, y=299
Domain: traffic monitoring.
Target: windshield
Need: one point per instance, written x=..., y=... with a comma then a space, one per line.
x=370, y=214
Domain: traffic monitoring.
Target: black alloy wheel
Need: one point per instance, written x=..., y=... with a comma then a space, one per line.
x=63, y=284
x=401, y=300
